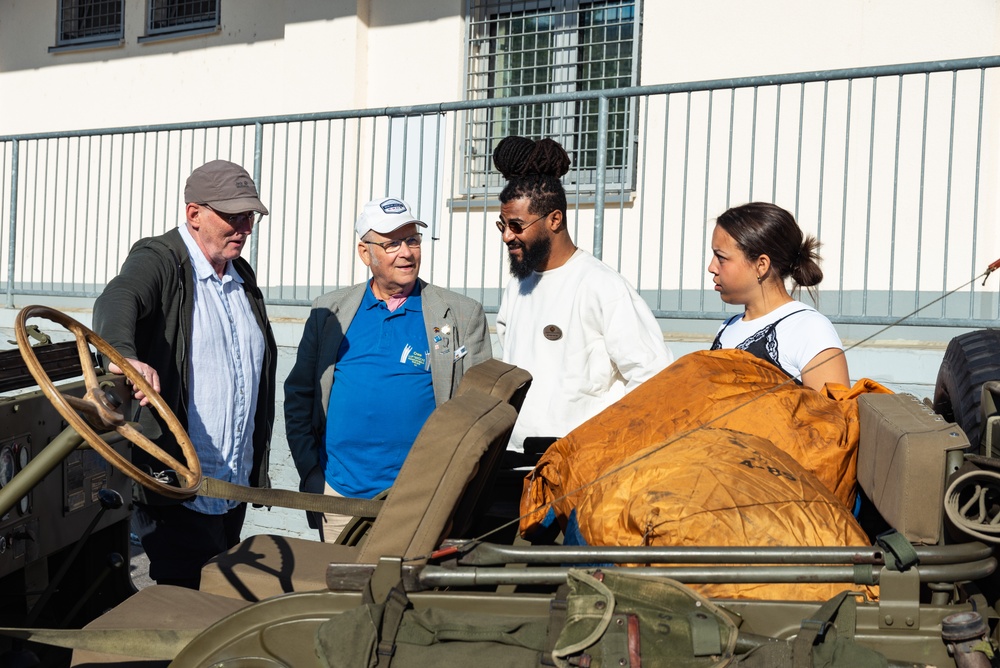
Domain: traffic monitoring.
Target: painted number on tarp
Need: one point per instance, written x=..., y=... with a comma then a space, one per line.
x=776, y=472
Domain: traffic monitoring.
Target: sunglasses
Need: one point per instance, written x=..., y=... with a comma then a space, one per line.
x=516, y=227
x=237, y=219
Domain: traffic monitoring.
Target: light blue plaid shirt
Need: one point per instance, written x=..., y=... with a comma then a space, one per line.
x=225, y=361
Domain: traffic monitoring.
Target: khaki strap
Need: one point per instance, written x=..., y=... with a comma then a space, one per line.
x=139, y=643
x=286, y=498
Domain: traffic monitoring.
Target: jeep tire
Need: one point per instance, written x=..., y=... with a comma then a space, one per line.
x=970, y=360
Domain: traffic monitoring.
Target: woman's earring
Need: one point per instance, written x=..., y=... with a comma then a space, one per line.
x=760, y=279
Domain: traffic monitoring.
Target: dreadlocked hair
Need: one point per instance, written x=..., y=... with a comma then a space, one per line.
x=532, y=169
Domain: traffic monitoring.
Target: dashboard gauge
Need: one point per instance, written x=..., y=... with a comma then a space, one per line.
x=22, y=456
x=6, y=466
x=23, y=506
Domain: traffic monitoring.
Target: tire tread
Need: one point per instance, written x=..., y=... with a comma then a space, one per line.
x=970, y=360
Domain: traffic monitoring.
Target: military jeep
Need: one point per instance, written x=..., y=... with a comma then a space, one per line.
x=923, y=592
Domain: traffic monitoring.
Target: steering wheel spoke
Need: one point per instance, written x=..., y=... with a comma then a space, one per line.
x=83, y=350
x=78, y=404
x=129, y=431
x=95, y=405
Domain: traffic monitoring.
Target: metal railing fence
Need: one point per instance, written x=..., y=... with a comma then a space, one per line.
x=894, y=168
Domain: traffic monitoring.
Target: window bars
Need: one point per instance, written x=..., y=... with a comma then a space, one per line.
x=526, y=49
x=166, y=16
x=82, y=21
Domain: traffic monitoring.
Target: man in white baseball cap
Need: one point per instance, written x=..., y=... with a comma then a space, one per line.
x=375, y=359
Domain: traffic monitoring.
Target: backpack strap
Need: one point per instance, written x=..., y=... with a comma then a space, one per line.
x=557, y=620
x=814, y=629
x=396, y=603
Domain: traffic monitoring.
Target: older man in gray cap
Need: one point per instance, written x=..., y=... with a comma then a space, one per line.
x=374, y=361
x=186, y=312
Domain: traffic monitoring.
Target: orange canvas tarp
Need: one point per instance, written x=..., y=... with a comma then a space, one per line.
x=720, y=487
x=728, y=389
x=672, y=454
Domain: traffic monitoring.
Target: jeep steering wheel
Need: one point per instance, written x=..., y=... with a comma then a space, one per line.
x=101, y=413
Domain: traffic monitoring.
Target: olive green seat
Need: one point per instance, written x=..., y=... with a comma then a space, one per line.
x=159, y=607
x=495, y=378
x=415, y=517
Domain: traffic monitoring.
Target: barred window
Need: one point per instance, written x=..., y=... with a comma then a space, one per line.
x=82, y=21
x=534, y=47
x=166, y=16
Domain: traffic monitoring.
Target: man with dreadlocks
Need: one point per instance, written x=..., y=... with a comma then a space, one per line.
x=579, y=328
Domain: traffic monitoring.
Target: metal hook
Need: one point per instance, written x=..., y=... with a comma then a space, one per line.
x=990, y=269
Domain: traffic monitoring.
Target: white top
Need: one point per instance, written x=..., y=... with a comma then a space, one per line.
x=225, y=363
x=586, y=337
x=800, y=336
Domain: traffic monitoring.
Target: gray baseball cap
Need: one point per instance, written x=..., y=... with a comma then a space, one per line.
x=224, y=186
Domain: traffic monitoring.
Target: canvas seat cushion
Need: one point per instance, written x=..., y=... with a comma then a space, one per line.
x=414, y=518
x=158, y=607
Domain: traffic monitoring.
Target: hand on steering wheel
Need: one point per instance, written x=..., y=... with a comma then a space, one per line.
x=148, y=372
x=101, y=412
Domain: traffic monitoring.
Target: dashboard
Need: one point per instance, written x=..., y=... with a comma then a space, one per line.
x=58, y=511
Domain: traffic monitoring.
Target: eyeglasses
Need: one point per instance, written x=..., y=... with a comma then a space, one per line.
x=237, y=219
x=392, y=247
x=516, y=227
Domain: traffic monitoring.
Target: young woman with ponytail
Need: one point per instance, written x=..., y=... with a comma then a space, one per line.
x=756, y=248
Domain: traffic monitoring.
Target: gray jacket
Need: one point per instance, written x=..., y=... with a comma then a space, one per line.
x=307, y=388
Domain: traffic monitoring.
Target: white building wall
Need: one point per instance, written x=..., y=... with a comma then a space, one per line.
x=273, y=58
x=269, y=58
x=302, y=56
x=718, y=39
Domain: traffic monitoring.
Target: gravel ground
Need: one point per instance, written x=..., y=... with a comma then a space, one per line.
x=139, y=568
x=138, y=564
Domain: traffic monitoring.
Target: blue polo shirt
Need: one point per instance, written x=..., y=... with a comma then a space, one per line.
x=381, y=396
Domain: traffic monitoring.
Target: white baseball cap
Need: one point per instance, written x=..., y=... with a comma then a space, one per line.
x=385, y=215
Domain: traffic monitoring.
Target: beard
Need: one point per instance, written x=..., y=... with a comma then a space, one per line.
x=531, y=256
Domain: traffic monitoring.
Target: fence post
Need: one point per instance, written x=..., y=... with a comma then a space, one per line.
x=12, y=235
x=258, y=153
x=603, y=105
